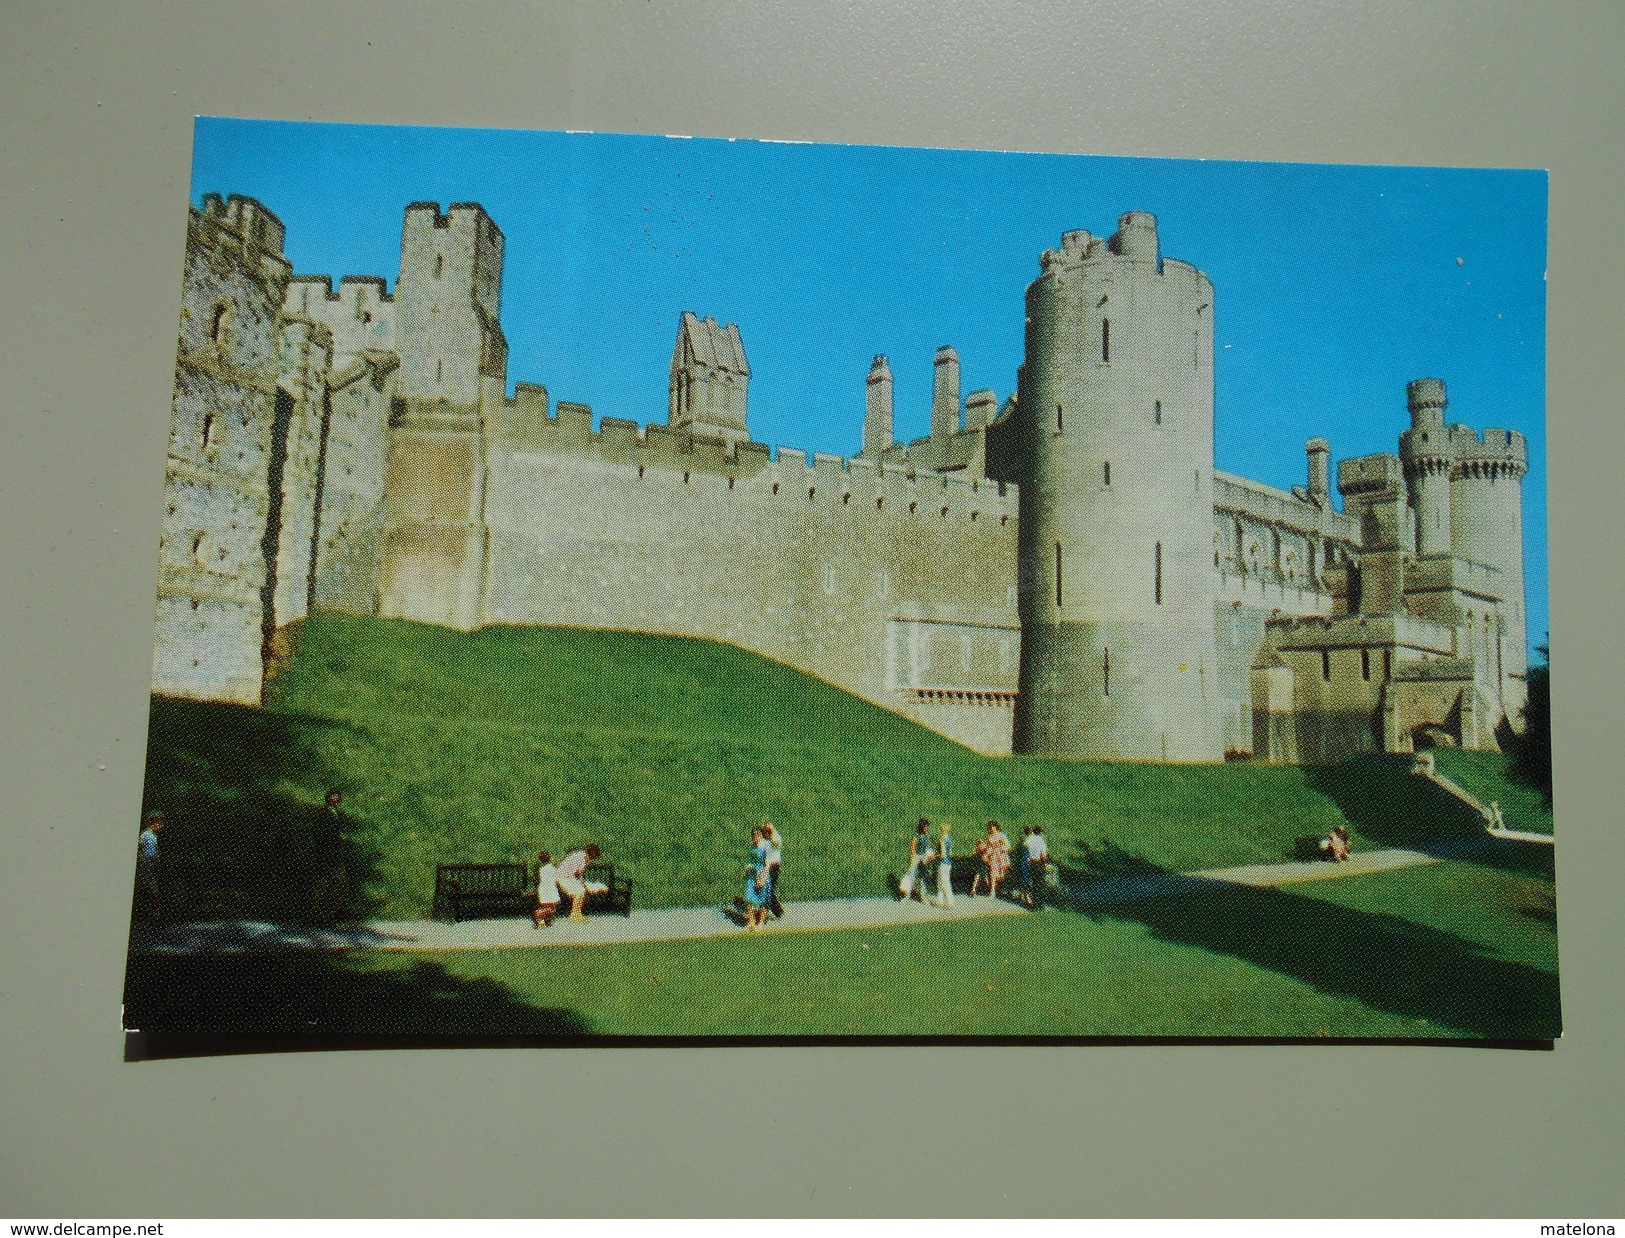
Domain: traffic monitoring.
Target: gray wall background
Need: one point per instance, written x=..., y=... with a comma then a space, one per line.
x=95, y=141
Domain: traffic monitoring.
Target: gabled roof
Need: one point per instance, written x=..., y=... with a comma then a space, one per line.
x=709, y=344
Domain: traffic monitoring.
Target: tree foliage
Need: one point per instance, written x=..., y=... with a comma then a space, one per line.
x=1532, y=751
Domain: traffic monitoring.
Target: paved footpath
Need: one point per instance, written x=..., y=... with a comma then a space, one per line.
x=693, y=923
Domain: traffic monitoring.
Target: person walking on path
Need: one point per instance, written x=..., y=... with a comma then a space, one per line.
x=920, y=855
x=775, y=855
x=994, y=851
x=1034, y=859
x=330, y=892
x=945, y=867
x=756, y=881
x=572, y=883
x=146, y=862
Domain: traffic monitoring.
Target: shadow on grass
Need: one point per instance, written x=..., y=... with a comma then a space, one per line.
x=1378, y=796
x=246, y=835
x=1384, y=961
x=317, y=995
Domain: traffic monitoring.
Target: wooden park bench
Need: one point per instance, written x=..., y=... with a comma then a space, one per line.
x=495, y=891
x=1308, y=848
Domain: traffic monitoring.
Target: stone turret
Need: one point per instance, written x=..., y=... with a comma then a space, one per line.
x=1114, y=452
x=1373, y=492
x=945, y=393
x=223, y=519
x=981, y=407
x=1424, y=450
x=710, y=380
x=877, y=417
x=452, y=376
x=1319, y=451
x=1486, y=510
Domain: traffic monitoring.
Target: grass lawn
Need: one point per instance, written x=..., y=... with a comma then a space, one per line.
x=491, y=745
x=1450, y=950
x=1484, y=776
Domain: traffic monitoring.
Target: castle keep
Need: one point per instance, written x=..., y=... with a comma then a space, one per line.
x=1064, y=574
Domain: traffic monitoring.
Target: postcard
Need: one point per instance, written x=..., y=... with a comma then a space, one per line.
x=617, y=588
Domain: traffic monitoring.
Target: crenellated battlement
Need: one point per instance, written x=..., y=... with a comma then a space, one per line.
x=1378, y=473
x=1316, y=632
x=822, y=477
x=355, y=293
x=247, y=219
x=1271, y=506
x=467, y=217
x=1493, y=453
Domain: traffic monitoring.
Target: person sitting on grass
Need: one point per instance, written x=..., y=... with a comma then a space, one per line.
x=547, y=890
x=573, y=885
x=1335, y=846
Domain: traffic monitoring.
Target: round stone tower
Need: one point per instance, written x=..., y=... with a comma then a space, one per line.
x=1424, y=451
x=1486, y=515
x=1115, y=441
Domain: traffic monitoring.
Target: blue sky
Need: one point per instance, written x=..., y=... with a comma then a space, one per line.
x=1333, y=285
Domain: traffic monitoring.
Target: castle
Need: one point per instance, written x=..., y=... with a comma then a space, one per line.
x=1063, y=574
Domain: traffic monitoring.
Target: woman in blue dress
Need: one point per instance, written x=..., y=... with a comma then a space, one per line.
x=756, y=887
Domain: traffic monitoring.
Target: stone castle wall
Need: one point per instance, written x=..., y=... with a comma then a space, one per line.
x=897, y=587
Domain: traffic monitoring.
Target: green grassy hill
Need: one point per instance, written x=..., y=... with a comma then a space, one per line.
x=491, y=745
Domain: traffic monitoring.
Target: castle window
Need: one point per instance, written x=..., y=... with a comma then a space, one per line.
x=1326, y=664
x=945, y=511
x=1106, y=670
x=811, y=490
x=730, y=483
x=439, y=368
x=1365, y=664
x=640, y=476
x=439, y=265
x=1159, y=574
x=775, y=487
x=913, y=506
x=220, y=326
x=880, y=502
x=1057, y=575
x=1106, y=473
x=1157, y=415
x=1057, y=419
x=846, y=498
x=208, y=432
x=685, y=477
x=1105, y=339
